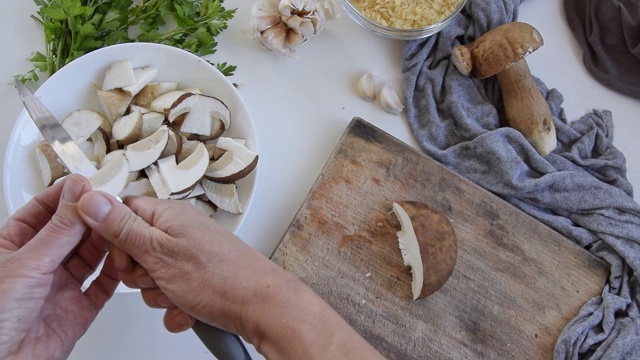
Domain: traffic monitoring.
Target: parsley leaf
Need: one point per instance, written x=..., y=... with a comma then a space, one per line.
x=73, y=28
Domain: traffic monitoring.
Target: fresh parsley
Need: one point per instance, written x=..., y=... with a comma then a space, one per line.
x=73, y=28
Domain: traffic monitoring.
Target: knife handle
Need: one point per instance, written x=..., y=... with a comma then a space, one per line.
x=222, y=344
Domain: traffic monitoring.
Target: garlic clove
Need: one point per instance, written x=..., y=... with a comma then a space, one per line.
x=294, y=39
x=293, y=22
x=274, y=37
x=389, y=99
x=306, y=29
x=264, y=22
x=367, y=87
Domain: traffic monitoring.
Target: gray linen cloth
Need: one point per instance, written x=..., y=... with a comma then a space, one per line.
x=580, y=189
x=609, y=33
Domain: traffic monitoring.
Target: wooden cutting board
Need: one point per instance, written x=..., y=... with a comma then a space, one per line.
x=516, y=284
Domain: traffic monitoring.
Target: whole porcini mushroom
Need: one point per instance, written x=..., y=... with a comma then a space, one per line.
x=501, y=52
x=428, y=245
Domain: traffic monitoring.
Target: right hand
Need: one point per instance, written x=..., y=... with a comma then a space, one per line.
x=189, y=264
x=183, y=260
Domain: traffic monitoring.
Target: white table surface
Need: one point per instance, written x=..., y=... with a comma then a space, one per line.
x=301, y=107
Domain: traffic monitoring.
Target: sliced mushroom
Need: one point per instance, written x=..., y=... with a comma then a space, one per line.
x=119, y=75
x=428, y=245
x=188, y=147
x=187, y=173
x=164, y=102
x=151, y=91
x=80, y=124
x=143, y=110
x=207, y=207
x=52, y=169
x=111, y=177
x=146, y=151
x=151, y=122
x=114, y=103
x=203, y=114
x=100, y=141
x=224, y=196
x=140, y=187
x=143, y=76
x=236, y=163
x=128, y=128
x=158, y=183
x=174, y=144
x=216, y=152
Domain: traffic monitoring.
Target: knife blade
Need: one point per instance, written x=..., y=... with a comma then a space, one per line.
x=222, y=344
x=55, y=134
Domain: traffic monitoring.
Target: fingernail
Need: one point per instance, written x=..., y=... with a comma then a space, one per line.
x=163, y=301
x=98, y=207
x=182, y=318
x=72, y=190
x=146, y=282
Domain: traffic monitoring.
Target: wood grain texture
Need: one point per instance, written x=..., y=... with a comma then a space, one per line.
x=516, y=284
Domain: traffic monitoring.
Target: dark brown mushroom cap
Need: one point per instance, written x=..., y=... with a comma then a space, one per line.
x=497, y=49
x=437, y=242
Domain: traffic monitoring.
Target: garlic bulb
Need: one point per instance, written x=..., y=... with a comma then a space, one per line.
x=283, y=25
x=389, y=99
x=367, y=87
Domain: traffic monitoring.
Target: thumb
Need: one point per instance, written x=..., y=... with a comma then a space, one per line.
x=118, y=224
x=65, y=229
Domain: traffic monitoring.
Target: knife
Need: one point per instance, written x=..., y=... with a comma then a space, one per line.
x=222, y=344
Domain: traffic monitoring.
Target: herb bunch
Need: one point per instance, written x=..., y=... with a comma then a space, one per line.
x=73, y=28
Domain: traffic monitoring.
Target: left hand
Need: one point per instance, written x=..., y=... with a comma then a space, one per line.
x=46, y=254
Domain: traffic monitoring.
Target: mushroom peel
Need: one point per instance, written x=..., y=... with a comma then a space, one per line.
x=428, y=245
x=283, y=25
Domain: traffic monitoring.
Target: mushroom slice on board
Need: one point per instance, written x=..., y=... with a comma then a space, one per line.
x=203, y=113
x=80, y=124
x=146, y=151
x=187, y=173
x=52, y=169
x=236, y=162
x=428, y=245
x=224, y=196
x=112, y=177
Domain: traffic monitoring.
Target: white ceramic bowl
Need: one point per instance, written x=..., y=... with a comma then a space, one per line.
x=395, y=33
x=72, y=88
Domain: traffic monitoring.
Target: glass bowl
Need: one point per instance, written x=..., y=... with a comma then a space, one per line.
x=396, y=33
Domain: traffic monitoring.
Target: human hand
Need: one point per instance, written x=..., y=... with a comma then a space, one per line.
x=46, y=254
x=184, y=261
x=189, y=264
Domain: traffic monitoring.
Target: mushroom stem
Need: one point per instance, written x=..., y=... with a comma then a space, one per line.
x=525, y=108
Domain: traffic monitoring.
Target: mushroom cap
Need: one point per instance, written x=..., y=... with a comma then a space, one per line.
x=497, y=49
x=437, y=245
